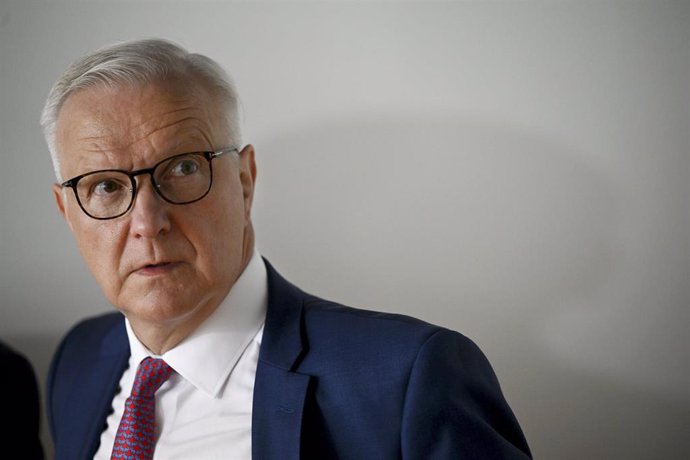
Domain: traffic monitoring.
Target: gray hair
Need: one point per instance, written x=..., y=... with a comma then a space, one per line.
x=138, y=63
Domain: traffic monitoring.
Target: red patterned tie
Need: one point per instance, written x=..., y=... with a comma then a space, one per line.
x=134, y=439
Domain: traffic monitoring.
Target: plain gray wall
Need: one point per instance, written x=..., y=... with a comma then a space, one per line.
x=516, y=171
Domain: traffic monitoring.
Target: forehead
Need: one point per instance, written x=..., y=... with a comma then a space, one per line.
x=136, y=119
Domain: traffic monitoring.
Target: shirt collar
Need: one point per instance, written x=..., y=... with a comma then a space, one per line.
x=207, y=357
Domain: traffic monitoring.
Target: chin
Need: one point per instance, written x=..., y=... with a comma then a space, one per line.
x=164, y=308
x=165, y=316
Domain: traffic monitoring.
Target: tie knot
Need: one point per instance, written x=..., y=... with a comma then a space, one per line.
x=151, y=374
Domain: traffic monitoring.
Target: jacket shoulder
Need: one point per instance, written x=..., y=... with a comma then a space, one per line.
x=371, y=366
x=337, y=321
x=88, y=337
x=94, y=328
x=370, y=344
x=82, y=346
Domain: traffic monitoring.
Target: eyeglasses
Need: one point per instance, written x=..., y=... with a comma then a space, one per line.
x=180, y=179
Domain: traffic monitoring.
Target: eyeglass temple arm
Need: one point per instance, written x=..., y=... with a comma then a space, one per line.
x=224, y=151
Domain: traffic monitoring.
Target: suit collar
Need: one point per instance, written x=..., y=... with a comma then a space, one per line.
x=115, y=341
x=283, y=342
x=280, y=392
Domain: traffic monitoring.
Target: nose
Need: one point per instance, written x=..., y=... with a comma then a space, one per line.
x=150, y=213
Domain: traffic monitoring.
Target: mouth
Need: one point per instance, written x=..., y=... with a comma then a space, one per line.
x=153, y=269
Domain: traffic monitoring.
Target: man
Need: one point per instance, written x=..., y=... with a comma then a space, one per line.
x=213, y=354
x=19, y=424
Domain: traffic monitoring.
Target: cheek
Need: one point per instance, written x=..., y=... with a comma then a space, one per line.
x=221, y=236
x=101, y=249
x=221, y=242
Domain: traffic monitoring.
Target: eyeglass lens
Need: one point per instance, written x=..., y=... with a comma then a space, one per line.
x=180, y=179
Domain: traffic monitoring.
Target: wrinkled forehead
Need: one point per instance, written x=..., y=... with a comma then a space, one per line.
x=130, y=102
x=130, y=126
x=124, y=114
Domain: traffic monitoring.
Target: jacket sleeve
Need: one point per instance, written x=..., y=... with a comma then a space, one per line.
x=454, y=407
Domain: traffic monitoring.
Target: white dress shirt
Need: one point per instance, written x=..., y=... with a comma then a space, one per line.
x=204, y=411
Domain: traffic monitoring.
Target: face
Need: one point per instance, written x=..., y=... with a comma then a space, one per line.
x=160, y=264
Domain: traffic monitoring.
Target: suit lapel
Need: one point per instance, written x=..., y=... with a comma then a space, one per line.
x=279, y=398
x=93, y=397
x=279, y=392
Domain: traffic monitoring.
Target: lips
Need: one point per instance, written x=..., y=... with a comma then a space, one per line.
x=155, y=268
x=161, y=264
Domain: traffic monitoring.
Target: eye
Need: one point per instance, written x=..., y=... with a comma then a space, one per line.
x=184, y=167
x=107, y=187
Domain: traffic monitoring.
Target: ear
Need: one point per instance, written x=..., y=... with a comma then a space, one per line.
x=61, y=202
x=247, y=176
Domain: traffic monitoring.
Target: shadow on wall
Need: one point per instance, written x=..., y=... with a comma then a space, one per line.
x=483, y=212
x=484, y=228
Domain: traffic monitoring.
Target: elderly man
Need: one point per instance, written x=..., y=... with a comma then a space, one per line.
x=212, y=353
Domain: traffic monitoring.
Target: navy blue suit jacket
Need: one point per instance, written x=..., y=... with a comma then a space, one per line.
x=331, y=382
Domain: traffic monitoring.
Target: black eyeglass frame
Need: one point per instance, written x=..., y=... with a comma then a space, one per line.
x=72, y=183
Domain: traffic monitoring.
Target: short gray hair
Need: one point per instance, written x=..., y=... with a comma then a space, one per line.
x=138, y=63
